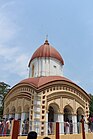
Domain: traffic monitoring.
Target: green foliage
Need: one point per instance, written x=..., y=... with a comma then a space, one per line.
x=4, y=88
x=91, y=105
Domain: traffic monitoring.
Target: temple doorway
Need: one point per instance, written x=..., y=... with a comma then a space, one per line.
x=80, y=112
x=68, y=113
x=51, y=114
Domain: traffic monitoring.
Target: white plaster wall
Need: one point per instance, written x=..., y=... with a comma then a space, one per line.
x=46, y=67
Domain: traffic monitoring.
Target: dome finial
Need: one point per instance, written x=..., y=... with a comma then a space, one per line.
x=47, y=37
x=46, y=41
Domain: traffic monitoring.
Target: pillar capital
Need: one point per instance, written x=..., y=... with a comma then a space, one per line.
x=60, y=112
x=74, y=114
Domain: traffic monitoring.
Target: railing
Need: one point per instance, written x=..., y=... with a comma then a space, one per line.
x=43, y=128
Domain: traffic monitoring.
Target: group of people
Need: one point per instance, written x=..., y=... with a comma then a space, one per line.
x=33, y=135
x=5, y=127
x=68, y=127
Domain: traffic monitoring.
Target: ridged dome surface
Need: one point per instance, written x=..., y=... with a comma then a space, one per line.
x=46, y=50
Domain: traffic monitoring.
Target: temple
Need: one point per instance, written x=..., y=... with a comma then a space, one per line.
x=46, y=95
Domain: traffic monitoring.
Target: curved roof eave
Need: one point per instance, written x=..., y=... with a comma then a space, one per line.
x=41, y=82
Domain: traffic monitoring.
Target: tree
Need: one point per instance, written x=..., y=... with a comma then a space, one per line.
x=4, y=88
x=91, y=104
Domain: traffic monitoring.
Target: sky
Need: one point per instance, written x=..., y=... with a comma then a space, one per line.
x=24, y=25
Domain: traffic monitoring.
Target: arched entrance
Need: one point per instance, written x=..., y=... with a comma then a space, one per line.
x=52, y=117
x=80, y=112
x=51, y=114
x=68, y=113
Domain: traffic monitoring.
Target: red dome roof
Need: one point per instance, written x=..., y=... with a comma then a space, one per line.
x=47, y=50
x=40, y=81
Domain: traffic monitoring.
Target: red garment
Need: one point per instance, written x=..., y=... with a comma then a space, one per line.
x=91, y=119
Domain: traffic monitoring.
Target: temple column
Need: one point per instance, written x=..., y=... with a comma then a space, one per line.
x=74, y=121
x=21, y=122
x=61, y=123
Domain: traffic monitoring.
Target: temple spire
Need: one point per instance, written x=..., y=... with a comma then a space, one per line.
x=46, y=41
x=47, y=37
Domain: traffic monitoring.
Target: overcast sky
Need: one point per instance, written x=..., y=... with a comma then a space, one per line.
x=24, y=25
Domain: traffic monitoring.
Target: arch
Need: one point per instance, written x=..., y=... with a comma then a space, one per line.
x=51, y=114
x=53, y=110
x=55, y=107
x=79, y=112
x=68, y=112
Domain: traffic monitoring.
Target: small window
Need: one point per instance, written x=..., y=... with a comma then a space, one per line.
x=43, y=92
x=54, y=66
x=43, y=107
x=42, y=127
x=33, y=70
x=42, y=117
x=43, y=97
x=43, y=102
x=43, y=111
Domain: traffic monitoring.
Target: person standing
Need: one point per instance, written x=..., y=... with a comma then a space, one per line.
x=71, y=127
x=67, y=126
x=8, y=125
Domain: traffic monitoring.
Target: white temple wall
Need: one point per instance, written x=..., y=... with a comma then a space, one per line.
x=45, y=67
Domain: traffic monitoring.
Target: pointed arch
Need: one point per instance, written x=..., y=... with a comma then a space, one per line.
x=55, y=107
x=53, y=111
x=68, y=112
x=79, y=112
x=68, y=109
